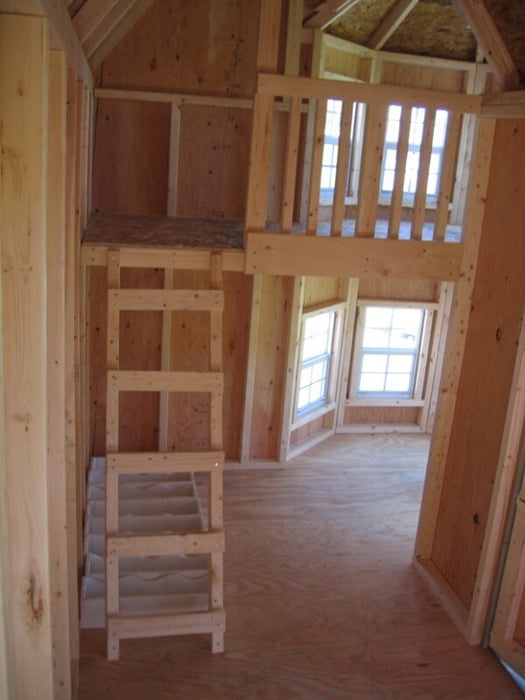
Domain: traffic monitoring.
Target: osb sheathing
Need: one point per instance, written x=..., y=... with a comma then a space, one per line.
x=360, y=21
x=509, y=18
x=434, y=28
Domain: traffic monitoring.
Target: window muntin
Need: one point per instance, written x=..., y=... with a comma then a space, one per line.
x=415, y=138
x=389, y=352
x=315, y=360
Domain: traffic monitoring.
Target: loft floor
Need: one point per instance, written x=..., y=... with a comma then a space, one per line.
x=321, y=599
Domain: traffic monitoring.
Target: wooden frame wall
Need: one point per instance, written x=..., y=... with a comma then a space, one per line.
x=44, y=200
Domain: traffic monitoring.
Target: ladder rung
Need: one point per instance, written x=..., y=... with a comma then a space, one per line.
x=164, y=544
x=165, y=625
x=165, y=462
x=125, y=380
x=166, y=299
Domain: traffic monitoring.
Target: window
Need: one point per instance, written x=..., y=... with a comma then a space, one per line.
x=415, y=138
x=390, y=342
x=316, y=353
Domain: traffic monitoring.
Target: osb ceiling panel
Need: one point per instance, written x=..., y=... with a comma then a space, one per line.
x=509, y=18
x=434, y=28
x=359, y=22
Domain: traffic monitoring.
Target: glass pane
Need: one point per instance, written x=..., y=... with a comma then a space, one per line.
x=374, y=363
x=400, y=363
x=306, y=377
x=394, y=112
x=378, y=317
x=388, y=181
x=407, y=318
x=376, y=338
x=399, y=383
x=432, y=185
x=372, y=382
x=302, y=399
x=390, y=159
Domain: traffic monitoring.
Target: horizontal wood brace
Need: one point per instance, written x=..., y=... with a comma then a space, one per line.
x=164, y=462
x=504, y=105
x=128, y=380
x=291, y=254
x=166, y=299
x=164, y=258
x=164, y=544
x=166, y=625
x=288, y=86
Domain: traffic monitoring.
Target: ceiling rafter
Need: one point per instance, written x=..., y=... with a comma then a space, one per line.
x=101, y=24
x=390, y=22
x=489, y=39
x=327, y=12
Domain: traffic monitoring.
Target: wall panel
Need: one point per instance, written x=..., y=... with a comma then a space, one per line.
x=488, y=364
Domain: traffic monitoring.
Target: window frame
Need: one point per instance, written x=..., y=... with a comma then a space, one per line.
x=306, y=415
x=422, y=356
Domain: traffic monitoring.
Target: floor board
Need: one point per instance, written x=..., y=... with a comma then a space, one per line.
x=321, y=598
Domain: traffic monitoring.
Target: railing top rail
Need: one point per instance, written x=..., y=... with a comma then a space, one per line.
x=290, y=86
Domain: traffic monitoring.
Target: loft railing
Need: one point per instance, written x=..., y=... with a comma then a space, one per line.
x=288, y=140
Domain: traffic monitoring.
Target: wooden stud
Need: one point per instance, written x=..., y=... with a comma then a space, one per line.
x=294, y=336
x=420, y=197
x=62, y=554
x=157, y=545
x=269, y=36
x=165, y=462
x=317, y=162
x=157, y=626
x=447, y=176
x=290, y=165
x=456, y=345
x=374, y=139
x=259, y=162
x=250, y=367
x=293, y=37
x=347, y=349
x=23, y=198
x=173, y=174
x=166, y=299
x=341, y=177
x=396, y=203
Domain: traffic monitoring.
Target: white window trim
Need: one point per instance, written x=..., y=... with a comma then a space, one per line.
x=418, y=399
x=307, y=415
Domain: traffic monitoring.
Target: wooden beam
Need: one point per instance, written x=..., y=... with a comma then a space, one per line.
x=99, y=40
x=390, y=22
x=327, y=12
x=269, y=36
x=491, y=42
x=504, y=105
x=285, y=86
x=62, y=25
x=62, y=556
x=23, y=199
x=279, y=254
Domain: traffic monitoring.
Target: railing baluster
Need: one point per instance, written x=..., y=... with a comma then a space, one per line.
x=425, y=153
x=259, y=163
x=447, y=175
x=396, y=202
x=317, y=162
x=341, y=176
x=371, y=169
x=290, y=166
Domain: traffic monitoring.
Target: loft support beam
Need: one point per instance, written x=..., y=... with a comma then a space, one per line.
x=491, y=43
x=327, y=12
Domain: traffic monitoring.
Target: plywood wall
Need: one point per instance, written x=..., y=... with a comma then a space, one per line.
x=486, y=376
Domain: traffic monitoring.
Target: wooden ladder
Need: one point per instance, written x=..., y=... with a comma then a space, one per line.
x=211, y=461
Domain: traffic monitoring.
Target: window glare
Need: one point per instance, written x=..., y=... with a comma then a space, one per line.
x=315, y=360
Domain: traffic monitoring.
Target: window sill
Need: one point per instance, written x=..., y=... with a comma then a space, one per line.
x=402, y=403
x=311, y=415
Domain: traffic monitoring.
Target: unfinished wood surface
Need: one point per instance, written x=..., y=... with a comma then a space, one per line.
x=23, y=198
x=175, y=232
x=374, y=138
x=354, y=257
x=214, y=153
x=390, y=23
x=396, y=201
x=178, y=47
x=290, y=166
x=489, y=359
x=456, y=346
x=270, y=364
x=341, y=176
x=316, y=165
x=131, y=157
x=292, y=629
x=165, y=462
x=62, y=545
x=447, y=176
x=420, y=197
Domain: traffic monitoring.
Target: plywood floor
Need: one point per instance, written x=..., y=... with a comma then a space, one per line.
x=321, y=599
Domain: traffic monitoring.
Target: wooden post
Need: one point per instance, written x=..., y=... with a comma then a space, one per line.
x=60, y=553
x=23, y=200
